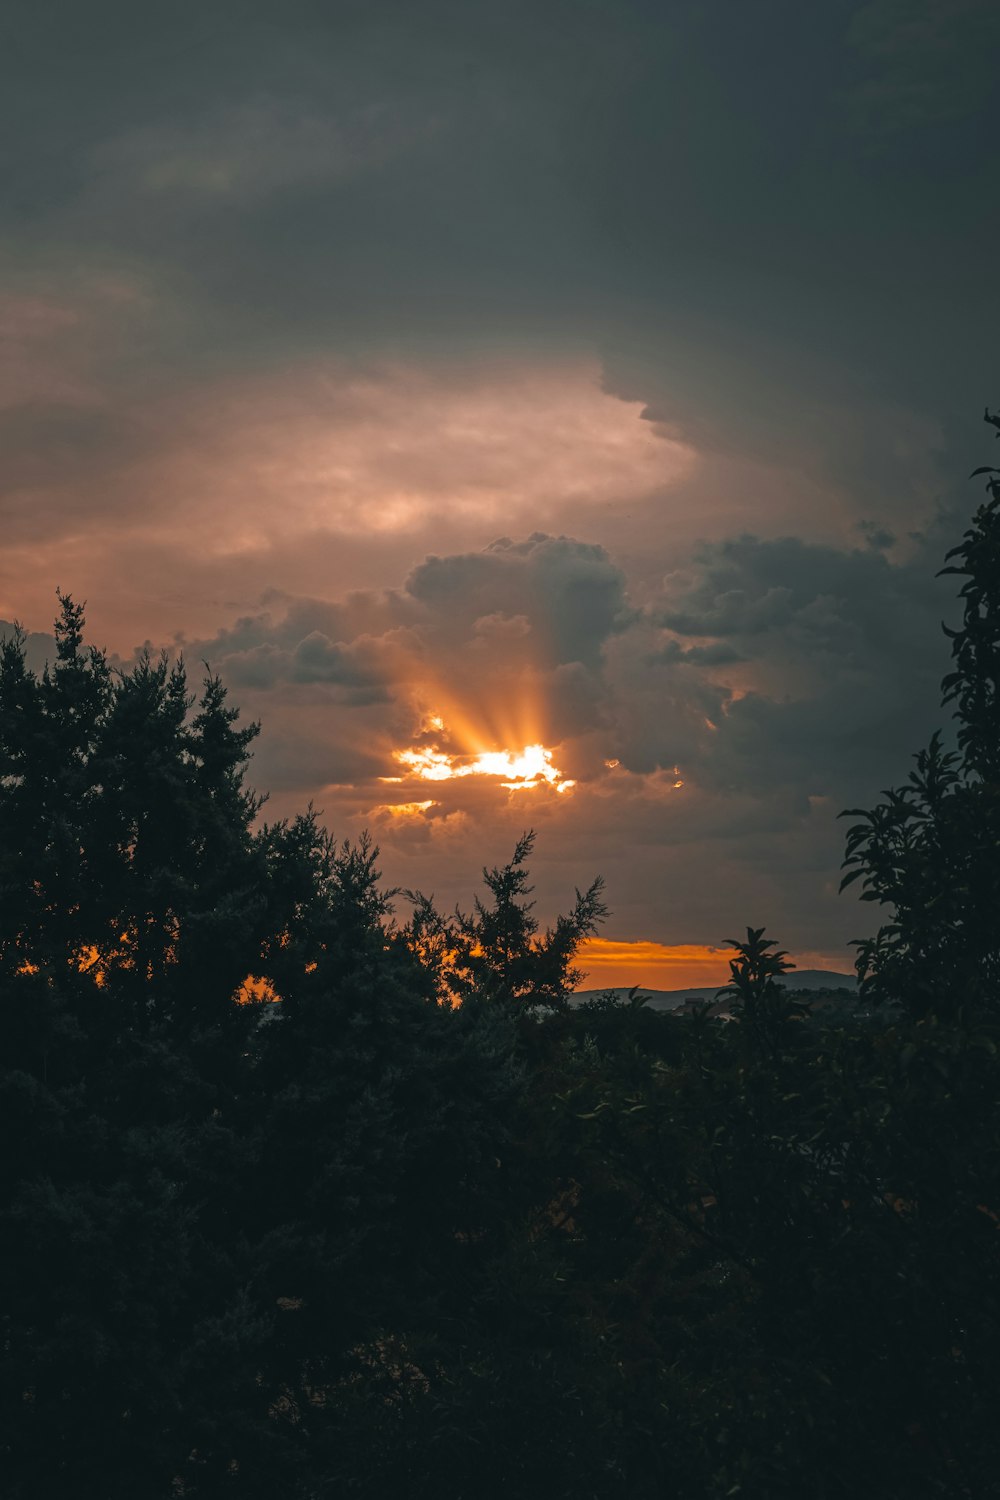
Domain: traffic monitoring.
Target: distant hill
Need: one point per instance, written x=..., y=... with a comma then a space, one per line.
x=797, y=979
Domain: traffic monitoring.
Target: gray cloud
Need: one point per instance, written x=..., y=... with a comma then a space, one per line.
x=569, y=595
x=926, y=61
x=843, y=652
x=39, y=646
x=258, y=148
x=526, y=621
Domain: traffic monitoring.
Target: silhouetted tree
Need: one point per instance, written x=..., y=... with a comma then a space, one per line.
x=494, y=953
x=116, y=1097
x=931, y=850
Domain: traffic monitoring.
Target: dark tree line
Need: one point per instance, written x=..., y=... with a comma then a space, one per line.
x=361, y=1239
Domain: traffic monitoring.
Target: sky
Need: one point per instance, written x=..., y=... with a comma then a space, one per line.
x=457, y=378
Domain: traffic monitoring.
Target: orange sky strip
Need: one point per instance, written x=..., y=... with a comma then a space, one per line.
x=663, y=966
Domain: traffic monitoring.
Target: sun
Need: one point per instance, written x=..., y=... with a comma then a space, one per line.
x=530, y=768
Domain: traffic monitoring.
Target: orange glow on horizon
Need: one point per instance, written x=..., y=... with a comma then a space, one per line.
x=657, y=966
x=661, y=966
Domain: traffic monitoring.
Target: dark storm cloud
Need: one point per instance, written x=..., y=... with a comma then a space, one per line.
x=360, y=672
x=718, y=654
x=683, y=188
x=361, y=173
x=817, y=285
x=842, y=652
x=527, y=618
x=306, y=171
x=925, y=61
x=570, y=594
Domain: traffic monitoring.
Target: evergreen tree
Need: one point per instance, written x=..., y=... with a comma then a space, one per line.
x=105, y=1237
x=494, y=954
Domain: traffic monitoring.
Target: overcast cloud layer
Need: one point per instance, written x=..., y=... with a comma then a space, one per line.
x=597, y=373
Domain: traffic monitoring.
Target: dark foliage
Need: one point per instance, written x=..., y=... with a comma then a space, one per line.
x=243, y=1137
x=300, y=1202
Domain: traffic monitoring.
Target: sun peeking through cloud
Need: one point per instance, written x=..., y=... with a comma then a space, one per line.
x=517, y=771
x=527, y=769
